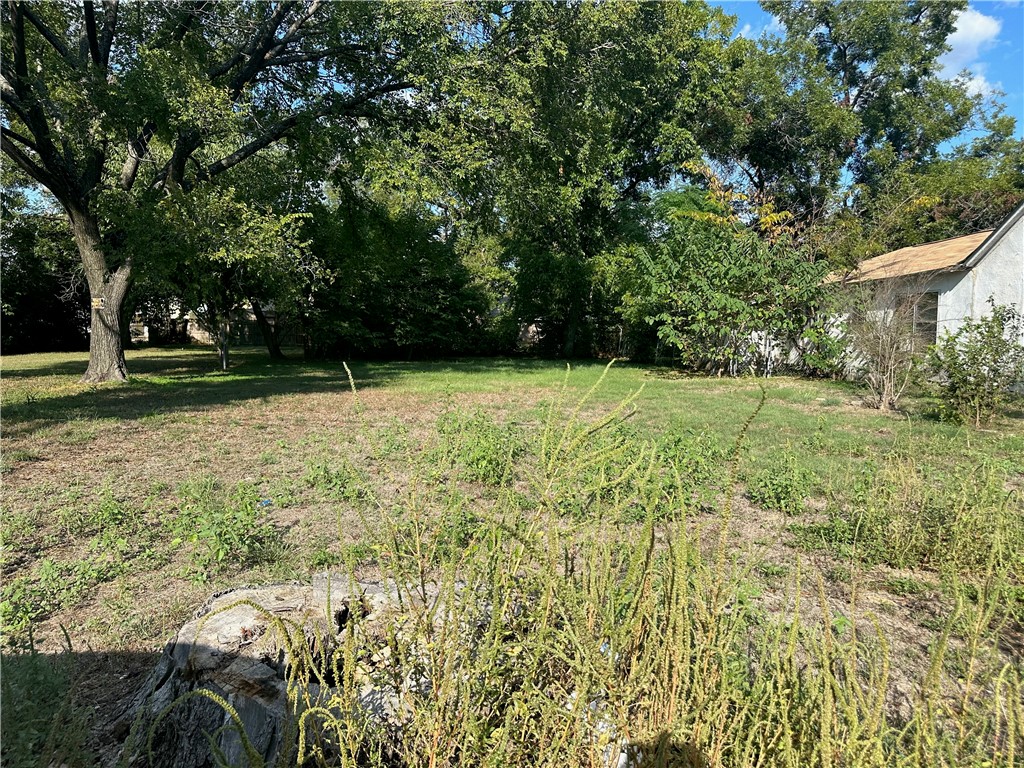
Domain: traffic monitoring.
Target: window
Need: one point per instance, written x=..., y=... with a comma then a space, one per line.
x=926, y=317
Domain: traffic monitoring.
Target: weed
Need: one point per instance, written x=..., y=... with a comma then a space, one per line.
x=15, y=528
x=107, y=513
x=54, y=585
x=227, y=526
x=40, y=723
x=773, y=571
x=336, y=478
x=77, y=433
x=21, y=455
x=839, y=574
x=481, y=449
x=906, y=585
x=907, y=515
x=782, y=487
x=323, y=558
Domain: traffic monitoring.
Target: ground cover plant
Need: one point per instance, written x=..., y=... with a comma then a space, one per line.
x=841, y=587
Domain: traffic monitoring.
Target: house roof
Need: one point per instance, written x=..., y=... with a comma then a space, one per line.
x=952, y=255
x=948, y=255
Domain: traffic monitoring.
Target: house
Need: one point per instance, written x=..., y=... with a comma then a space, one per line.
x=951, y=280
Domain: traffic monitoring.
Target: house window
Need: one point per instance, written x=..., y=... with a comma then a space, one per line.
x=926, y=317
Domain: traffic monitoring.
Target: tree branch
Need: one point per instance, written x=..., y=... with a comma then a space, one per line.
x=274, y=133
x=258, y=51
x=20, y=139
x=263, y=36
x=299, y=22
x=109, y=27
x=278, y=130
x=18, y=43
x=312, y=56
x=49, y=35
x=23, y=161
x=10, y=97
x=137, y=149
x=90, y=31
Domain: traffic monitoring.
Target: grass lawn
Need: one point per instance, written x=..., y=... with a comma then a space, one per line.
x=125, y=506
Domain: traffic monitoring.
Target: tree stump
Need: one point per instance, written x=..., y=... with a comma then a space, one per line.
x=234, y=649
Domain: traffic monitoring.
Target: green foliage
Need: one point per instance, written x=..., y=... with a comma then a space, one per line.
x=478, y=447
x=106, y=514
x=44, y=306
x=337, y=478
x=906, y=515
x=979, y=362
x=724, y=299
x=395, y=288
x=783, y=486
x=227, y=526
x=542, y=146
x=696, y=458
x=814, y=113
x=53, y=585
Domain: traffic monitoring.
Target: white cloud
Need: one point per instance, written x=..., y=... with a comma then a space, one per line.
x=978, y=84
x=773, y=27
x=975, y=32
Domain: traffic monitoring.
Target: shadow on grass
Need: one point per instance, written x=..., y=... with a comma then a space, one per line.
x=82, y=709
x=169, y=383
x=64, y=709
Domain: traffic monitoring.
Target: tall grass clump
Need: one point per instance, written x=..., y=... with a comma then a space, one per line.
x=477, y=446
x=551, y=638
x=904, y=514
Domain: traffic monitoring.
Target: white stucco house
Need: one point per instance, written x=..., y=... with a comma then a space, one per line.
x=954, y=279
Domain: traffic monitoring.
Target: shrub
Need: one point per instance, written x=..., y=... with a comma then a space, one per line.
x=885, y=350
x=979, y=362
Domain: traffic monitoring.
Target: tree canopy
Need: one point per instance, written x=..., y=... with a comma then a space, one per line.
x=431, y=178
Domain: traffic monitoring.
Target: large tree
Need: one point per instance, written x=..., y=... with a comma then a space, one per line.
x=849, y=91
x=114, y=107
x=559, y=119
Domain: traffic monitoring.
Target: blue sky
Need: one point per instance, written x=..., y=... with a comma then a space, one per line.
x=988, y=41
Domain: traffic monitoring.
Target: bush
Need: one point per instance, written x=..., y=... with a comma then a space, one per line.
x=979, y=363
x=885, y=350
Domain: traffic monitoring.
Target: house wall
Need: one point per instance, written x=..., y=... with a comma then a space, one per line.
x=999, y=275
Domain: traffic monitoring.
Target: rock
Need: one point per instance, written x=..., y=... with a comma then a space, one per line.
x=234, y=650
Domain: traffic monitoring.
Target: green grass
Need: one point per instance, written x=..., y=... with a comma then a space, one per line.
x=613, y=490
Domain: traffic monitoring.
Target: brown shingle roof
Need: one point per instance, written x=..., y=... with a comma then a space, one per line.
x=929, y=257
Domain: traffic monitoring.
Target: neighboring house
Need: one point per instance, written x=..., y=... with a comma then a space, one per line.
x=954, y=279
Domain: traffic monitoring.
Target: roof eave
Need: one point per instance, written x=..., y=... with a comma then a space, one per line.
x=989, y=242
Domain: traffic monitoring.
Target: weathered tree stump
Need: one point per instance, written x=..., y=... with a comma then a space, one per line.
x=234, y=650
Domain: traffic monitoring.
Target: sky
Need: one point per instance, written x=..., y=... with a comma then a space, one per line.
x=988, y=41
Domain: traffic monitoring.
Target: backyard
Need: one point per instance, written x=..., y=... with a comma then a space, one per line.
x=895, y=541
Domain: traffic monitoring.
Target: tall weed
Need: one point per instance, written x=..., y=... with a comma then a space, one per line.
x=546, y=637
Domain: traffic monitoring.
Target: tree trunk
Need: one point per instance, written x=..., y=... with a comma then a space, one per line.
x=106, y=291
x=223, y=342
x=268, y=331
